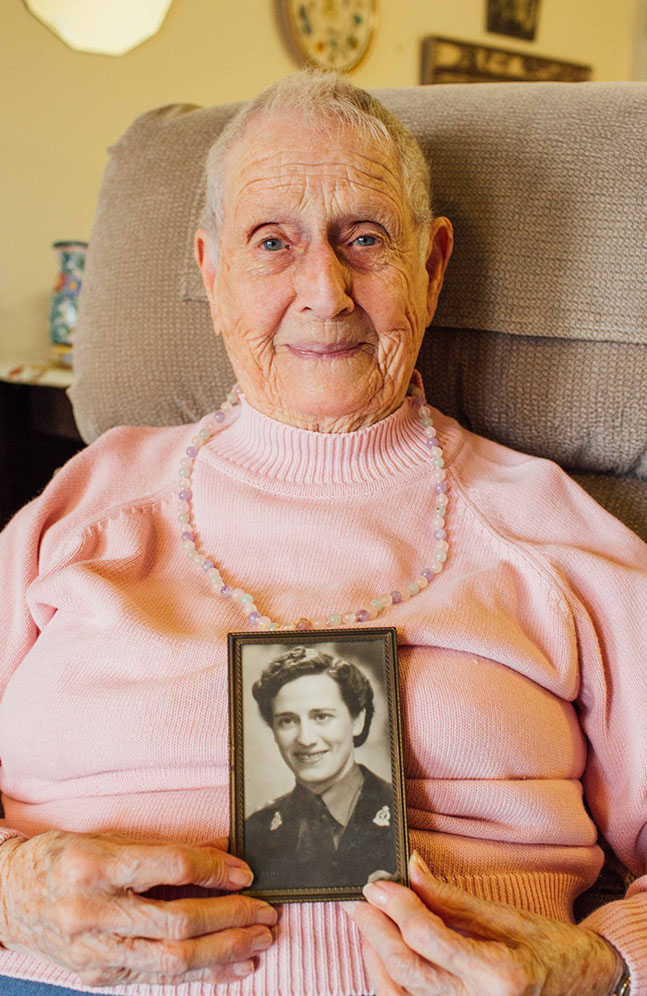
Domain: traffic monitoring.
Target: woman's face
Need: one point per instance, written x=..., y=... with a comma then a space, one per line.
x=314, y=730
x=322, y=291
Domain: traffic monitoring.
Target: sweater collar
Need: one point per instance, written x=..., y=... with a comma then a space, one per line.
x=273, y=455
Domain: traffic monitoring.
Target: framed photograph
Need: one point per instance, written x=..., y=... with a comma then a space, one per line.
x=445, y=60
x=513, y=17
x=317, y=787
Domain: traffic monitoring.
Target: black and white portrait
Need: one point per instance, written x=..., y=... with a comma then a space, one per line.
x=321, y=810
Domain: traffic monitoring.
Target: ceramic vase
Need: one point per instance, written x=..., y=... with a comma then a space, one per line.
x=65, y=297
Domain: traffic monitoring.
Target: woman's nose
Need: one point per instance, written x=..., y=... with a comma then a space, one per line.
x=306, y=734
x=323, y=283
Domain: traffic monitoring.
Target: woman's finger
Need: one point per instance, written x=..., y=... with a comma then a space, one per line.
x=383, y=985
x=460, y=910
x=140, y=867
x=423, y=931
x=403, y=965
x=130, y=915
x=137, y=959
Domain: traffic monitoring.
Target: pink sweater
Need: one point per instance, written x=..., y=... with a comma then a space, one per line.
x=522, y=664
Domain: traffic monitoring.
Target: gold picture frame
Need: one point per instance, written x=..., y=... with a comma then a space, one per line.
x=447, y=60
x=317, y=785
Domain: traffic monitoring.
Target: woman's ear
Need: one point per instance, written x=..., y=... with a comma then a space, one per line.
x=441, y=243
x=358, y=723
x=209, y=271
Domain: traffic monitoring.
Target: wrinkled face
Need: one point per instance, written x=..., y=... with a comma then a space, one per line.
x=314, y=730
x=321, y=291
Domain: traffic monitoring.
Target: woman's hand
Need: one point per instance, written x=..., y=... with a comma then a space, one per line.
x=72, y=899
x=438, y=939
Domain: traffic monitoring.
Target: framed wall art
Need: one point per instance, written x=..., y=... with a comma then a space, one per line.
x=513, y=17
x=446, y=60
x=317, y=789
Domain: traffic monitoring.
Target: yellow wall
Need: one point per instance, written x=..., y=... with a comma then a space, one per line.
x=61, y=109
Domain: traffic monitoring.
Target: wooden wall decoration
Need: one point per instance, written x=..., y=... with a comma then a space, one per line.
x=446, y=60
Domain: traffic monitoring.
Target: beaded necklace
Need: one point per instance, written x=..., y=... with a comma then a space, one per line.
x=335, y=619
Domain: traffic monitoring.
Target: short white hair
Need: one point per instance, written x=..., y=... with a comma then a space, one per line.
x=322, y=99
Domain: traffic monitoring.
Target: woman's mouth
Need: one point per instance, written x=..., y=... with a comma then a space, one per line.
x=310, y=756
x=323, y=350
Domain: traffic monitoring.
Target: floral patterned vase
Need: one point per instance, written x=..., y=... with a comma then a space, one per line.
x=63, y=312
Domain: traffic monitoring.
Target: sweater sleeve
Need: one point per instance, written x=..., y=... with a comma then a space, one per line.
x=606, y=574
x=599, y=568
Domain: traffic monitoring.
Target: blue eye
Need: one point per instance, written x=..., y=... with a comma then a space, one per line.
x=366, y=240
x=273, y=245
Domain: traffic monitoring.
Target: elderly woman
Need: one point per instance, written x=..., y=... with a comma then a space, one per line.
x=323, y=493
x=334, y=827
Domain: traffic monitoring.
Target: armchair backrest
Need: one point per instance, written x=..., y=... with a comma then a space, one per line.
x=540, y=339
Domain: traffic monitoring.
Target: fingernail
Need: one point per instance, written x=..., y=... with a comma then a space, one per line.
x=374, y=894
x=240, y=877
x=263, y=941
x=415, y=859
x=266, y=915
x=243, y=968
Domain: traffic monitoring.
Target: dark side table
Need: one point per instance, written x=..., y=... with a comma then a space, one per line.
x=37, y=431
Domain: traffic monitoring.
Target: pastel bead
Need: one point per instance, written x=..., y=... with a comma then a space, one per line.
x=405, y=594
x=249, y=609
x=442, y=500
x=427, y=573
x=386, y=600
x=396, y=597
x=191, y=451
x=437, y=567
x=377, y=604
x=425, y=411
x=348, y=618
x=441, y=556
x=232, y=397
x=183, y=472
x=372, y=612
x=440, y=487
x=183, y=517
x=432, y=442
x=237, y=594
x=362, y=616
x=421, y=581
x=335, y=619
x=254, y=616
x=438, y=462
x=264, y=622
x=197, y=441
x=204, y=433
x=193, y=554
x=187, y=536
x=187, y=543
x=440, y=534
x=413, y=587
x=246, y=598
x=319, y=623
x=274, y=626
x=186, y=463
x=226, y=591
x=442, y=545
x=220, y=416
x=303, y=623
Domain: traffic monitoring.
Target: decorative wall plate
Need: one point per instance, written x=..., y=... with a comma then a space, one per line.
x=331, y=34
